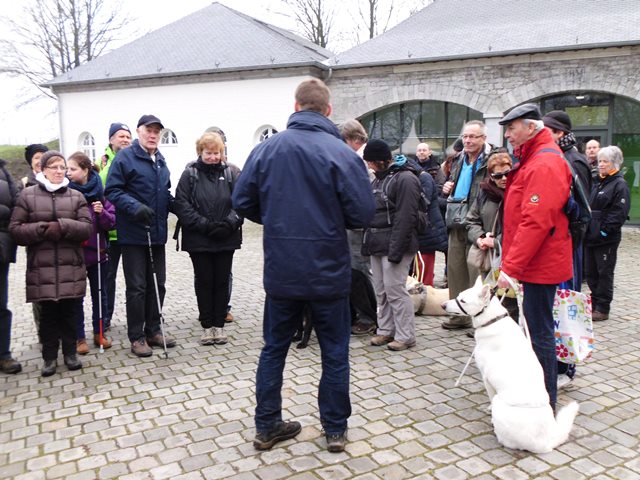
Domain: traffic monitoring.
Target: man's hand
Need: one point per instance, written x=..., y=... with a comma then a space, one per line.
x=144, y=215
x=447, y=187
x=505, y=281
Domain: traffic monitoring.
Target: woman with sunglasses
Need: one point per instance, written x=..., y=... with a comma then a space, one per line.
x=53, y=220
x=484, y=219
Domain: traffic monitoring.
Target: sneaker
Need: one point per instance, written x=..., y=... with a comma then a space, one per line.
x=106, y=341
x=207, y=337
x=72, y=362
x=141, y=349
x=380, y=340
x=363, y=328
x=280, y=432
x=599, y=316
x=398, y=346
x=156, y=340
x=219, y=338
x=229, y=317
x=81, y=346
x=337, y=442
x=49, y=368
x=10, y=365
x=456, y=323
x=564, y=380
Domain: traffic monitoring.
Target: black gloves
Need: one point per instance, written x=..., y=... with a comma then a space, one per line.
x=233, y=220
x=144, y=215
x=53, y=231
x=219, y=230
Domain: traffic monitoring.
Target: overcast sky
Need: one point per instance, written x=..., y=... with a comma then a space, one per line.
x=38, y=121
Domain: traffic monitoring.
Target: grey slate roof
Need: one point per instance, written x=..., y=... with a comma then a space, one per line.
x=450, y=29
x=215, y=38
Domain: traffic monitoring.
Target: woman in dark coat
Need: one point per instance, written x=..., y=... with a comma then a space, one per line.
x=53, y=220
x=211, y=231
x=610, y=205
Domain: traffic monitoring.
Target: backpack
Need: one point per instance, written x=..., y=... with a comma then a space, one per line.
x=423, y=205
x=577, y=208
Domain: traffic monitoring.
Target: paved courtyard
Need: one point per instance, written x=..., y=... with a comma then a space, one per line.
x=191, y=416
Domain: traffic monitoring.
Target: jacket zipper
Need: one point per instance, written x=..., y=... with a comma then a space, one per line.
x=55, y=246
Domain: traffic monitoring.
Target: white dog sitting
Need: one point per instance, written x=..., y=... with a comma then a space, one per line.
x=521, y=415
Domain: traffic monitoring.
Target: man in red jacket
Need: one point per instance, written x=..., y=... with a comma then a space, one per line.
x=536, y=240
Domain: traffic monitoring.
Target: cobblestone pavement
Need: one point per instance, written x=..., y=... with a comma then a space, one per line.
x=191, y=416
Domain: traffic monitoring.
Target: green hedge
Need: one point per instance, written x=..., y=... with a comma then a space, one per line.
x=14, y=156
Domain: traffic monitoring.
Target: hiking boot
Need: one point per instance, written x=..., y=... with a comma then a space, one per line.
x=9, y=365
x=599, y=316
x=141, y=349
x=398, y=346
x=380, y=340
x=337, y=442
x=49, y=368
x=564, y=380
x=72, y=362
x=156, y=340
x=106, y=341
x=229, y=317
x=81, y=347
x=280, y=432
x=456, y=323
x=219, y=338
x=363, y=328
x=207, y=337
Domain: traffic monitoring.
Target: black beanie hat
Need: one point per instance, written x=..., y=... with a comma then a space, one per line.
x=557, y=120
x=31, y=150
x=376, y=150
x=48, y=155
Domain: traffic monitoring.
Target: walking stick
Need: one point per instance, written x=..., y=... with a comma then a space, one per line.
x=155, y=284
x=100, y=292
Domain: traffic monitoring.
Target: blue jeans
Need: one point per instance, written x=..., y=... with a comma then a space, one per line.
x=5, y=314
x=92, y=275
x=538, y=311
x=332, y=323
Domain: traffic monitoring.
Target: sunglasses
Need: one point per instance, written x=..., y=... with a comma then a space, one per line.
x=499, y=175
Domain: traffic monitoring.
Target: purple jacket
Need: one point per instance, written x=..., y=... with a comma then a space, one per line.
x=101, y=225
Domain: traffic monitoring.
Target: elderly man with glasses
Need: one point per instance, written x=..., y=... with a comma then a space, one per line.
x=468, y=170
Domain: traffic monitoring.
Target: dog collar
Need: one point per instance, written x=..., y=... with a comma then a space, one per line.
x=494, y=320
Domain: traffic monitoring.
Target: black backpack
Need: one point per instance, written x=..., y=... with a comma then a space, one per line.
x=423, y=204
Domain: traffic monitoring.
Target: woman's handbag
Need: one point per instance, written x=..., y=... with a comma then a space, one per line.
x=573, y=326
x=478, y=258
x=456, y=213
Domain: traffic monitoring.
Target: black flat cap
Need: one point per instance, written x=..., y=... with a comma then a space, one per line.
x=528, y=110
x=558, y=120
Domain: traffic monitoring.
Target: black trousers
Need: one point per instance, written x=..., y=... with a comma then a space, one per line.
x=601, y=263
x=362, y=298
x=143, y=317
x=211, y=281
x=114, y=260
x=58, y=324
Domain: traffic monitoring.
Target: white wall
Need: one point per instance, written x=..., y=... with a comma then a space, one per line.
x=239, y=108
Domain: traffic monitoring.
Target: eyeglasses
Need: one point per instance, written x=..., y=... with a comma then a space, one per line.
x=499, y=175
x=60, y=168
x=471, y=137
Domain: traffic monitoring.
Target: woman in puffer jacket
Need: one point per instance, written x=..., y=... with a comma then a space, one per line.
x=83, y=177
x=52, y=221
x=211, y=231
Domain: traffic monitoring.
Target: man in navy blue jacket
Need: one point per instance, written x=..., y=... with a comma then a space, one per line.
x=306, y=186
x=138, y=185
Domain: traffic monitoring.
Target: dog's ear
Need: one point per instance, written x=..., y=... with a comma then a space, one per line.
x=485, y=294
x=478, y=283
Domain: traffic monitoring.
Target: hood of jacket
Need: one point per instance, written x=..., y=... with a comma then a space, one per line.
x=313, y=121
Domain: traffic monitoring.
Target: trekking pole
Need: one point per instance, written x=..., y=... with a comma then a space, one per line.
x=155, y=284
x=100, y=293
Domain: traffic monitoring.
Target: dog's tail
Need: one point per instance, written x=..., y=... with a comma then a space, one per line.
x=564, y=420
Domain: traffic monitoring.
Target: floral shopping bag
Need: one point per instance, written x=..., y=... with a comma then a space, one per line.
x=573, y=326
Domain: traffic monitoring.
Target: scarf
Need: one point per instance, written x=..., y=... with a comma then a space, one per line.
x=610, y=174
x=92, y=190
x=567, y=142
x=51, y=187
x=211, y=170
x=494, y=193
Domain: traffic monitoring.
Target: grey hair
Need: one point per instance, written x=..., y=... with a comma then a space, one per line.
x=483, y=127
x=539, y=124
x=353, y=130
x=613, y=154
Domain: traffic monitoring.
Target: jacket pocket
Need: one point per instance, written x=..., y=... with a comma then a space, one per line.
x=593, y=232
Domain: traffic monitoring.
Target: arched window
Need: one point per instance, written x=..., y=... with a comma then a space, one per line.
x=266, y=132
x=168, y=137
x=87, y=145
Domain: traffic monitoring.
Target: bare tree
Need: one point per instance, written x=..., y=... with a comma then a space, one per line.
x=56, y=36
x=376, y=20
x=315, y=19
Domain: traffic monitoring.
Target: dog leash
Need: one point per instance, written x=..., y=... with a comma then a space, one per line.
x=466, y=365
